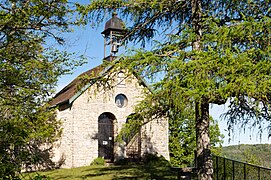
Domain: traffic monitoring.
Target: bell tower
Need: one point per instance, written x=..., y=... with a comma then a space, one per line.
x=112, y=34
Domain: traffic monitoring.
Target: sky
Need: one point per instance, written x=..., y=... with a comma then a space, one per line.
x=89, y=42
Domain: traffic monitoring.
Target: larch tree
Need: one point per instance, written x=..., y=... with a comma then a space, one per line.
x=208, y=52
x=30, y=68
x=182, y=137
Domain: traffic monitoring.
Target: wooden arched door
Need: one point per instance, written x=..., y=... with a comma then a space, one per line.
x=106, y=136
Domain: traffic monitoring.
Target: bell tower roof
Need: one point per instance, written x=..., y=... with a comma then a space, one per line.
x=115, y=24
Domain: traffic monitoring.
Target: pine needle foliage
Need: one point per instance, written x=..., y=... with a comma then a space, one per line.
x=209, y=52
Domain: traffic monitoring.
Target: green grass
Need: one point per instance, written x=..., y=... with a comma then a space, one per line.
x=150, y=171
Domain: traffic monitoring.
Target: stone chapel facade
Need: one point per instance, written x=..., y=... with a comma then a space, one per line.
x=92, y=117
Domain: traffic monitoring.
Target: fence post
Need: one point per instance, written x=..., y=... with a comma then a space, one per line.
x=259, y=173
x=245, y=171
x=217, y=170
x=233, y=170
x=224, y=168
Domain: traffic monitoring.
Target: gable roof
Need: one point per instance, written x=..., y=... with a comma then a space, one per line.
x=67, y=93
x=70, y=92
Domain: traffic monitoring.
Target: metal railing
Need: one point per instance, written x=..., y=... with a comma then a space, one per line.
x=228, y=169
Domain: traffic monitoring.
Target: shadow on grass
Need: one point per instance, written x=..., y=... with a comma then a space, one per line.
x=146, y=171
x=116, y=172
x=50, y=175
x=151, y=169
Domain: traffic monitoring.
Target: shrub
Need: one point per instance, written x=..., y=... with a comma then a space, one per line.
x=41, y=177
x=154, y=160
x=98, y=161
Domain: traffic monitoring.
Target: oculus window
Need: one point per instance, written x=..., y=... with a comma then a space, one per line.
x=121, y=100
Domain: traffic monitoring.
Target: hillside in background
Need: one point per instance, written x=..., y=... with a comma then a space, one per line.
x=258, y=154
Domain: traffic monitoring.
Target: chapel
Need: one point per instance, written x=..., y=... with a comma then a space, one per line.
x=92, y=114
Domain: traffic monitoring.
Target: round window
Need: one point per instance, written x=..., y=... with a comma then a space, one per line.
x=121, y=100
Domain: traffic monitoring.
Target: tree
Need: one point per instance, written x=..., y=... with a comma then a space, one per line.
x=29, y=72
x=211, y=52
x=182, y=135
x=182, y=139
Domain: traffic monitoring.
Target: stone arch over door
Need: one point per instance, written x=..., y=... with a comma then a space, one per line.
x=106, y=136
x=133, y=140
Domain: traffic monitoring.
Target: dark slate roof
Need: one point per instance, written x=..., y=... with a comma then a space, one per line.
x=114, y=23
x=67, y=93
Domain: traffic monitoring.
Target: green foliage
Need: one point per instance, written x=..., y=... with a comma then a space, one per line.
x=98, y=161
x=130, y=128
x=158, y=167
x=155, y=160
x=29, y=72
x=232, y=61
x=258, y=154
x=182, y=135
x=41, y=177
x=182, y=139
x=251, y=158
x=209, y=52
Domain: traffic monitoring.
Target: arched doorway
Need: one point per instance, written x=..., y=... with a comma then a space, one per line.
x=106, y=136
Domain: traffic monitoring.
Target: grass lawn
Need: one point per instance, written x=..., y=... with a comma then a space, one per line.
x=149, y=171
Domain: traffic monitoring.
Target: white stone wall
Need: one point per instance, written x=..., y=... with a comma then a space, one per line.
x=63, y=148
x=155, y=138
x=79, y=144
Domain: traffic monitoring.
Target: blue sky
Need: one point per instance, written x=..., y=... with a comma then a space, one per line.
x=89, y=41
x=240, y=136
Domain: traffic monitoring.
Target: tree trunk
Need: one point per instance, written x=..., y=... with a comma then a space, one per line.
x=204, y=159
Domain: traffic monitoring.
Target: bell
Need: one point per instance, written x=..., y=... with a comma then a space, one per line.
x=114, y=48
x=113, y=32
